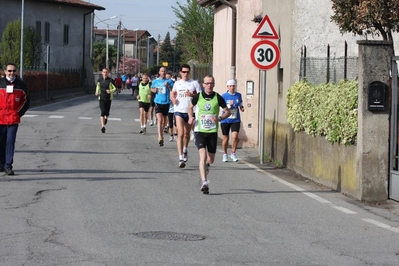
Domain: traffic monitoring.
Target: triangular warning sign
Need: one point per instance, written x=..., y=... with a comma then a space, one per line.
x=265, y=30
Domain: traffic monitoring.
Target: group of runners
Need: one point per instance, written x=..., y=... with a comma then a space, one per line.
x=182, y=106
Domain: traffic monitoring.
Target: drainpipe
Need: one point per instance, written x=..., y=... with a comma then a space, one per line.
x=233, y=38
x=84, y=44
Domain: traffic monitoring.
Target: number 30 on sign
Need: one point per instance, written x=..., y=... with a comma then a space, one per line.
x=265, y=55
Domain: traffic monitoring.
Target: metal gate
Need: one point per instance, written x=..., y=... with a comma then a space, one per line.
x=394, y=143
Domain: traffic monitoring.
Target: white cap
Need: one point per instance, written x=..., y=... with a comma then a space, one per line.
x=231, y=82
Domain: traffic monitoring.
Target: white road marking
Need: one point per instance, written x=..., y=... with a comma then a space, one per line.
x=313, y=196
x=295, y=187
x=382, y=225
x=56, y=116
x=29, y=115
x=115, y=119
x=342, y=209
x=87, y=118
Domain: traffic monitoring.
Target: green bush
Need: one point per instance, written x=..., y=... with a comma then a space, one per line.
x=328, y=110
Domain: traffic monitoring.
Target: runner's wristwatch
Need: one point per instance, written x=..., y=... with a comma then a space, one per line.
x=220, y=118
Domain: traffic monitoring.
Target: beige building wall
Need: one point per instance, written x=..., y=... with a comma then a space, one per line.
x=245, y=70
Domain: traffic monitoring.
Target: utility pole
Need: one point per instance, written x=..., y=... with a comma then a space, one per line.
x=174, y=55
x=106, y=48
x=117, y=50
x=159, y=48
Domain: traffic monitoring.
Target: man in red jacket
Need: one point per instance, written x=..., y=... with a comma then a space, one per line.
x=14, y=102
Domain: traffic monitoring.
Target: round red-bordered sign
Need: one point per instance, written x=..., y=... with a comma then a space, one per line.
x=265, y=54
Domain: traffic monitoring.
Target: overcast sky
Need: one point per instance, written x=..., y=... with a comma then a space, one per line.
x=155, y=16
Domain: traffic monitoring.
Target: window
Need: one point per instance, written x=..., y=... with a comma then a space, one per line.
x=39, y=28
x=46, y=32
x=66, y=34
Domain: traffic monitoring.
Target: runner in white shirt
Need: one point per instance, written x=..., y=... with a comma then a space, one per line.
x=181, y=95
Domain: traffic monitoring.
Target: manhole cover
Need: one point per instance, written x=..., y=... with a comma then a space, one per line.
x=162, y=235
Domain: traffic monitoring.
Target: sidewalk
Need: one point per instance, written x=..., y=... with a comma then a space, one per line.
x=250, y=156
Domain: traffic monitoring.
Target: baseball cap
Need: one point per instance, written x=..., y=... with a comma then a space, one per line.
x=231, y=82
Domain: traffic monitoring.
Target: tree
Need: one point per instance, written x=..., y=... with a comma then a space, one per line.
x=195, y=31
x=129, y=65
x=100, y=55
x=167, y=51
x=10, y=45
x=367, y=17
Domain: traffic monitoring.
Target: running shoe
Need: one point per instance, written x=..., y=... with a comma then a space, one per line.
x=182, y=164
x=141, y=131
x=144, y=131
x=185, y=156
x=160, y=142
x=191, y=135
x=233, y=156
x=103, y=129
x=225, y=158
x=151, y=123
x=171, y=138
x=205, y=187
x=175, y=137
x=165, y=130
x=207, y=168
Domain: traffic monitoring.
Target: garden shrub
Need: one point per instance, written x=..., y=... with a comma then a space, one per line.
x=328, y=110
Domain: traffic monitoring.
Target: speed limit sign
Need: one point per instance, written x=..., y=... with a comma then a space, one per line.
x=265, y=54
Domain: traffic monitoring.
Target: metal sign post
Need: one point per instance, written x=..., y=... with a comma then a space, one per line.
x=262, y=115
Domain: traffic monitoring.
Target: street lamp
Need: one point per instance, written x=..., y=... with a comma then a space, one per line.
x=21, y=59
x=106, y=45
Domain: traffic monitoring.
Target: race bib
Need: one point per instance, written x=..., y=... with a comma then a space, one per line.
x=161, y=90
x=233, y=113
x=182, y=95
x=207, y=123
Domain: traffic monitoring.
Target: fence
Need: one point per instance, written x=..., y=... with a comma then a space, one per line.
x=198, y=72
x=326, y=69
x=57, y=78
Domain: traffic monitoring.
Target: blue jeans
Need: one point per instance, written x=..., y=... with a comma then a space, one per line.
x=8, y=135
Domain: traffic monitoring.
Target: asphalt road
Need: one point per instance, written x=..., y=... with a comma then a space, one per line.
x=80, y=197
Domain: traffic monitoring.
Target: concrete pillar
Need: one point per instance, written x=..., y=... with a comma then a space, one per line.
x=373, y=128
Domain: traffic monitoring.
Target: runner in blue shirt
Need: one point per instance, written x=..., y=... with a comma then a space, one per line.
x=124, y=78
x=234, y=103
x=161, y=87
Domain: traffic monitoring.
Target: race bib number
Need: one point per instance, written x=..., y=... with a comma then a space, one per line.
x=207, y=123
x=233, y=113
x=182, y=96
x=161, y=90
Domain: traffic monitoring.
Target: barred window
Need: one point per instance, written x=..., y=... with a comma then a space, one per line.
x=39, y=28
x=47, y=32
x=66, y=34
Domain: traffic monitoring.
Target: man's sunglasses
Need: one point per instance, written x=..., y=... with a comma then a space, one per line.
x=12, y=70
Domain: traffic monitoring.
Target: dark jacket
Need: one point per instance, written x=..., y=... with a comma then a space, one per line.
x=13, y=105
x=102, y=86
